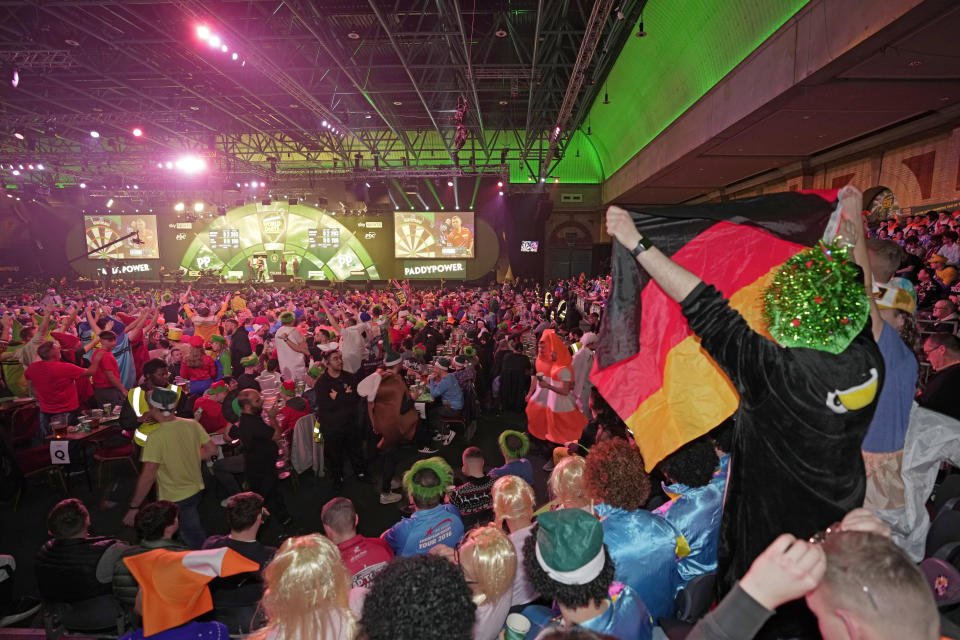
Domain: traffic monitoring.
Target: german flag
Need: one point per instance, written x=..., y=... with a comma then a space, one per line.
x=649, y=365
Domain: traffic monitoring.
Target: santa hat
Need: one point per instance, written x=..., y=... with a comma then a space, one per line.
x=173, y=584
x=196, y=342
x=315, y=370
x=570, y=546
x=217, y=387
x=288, y=388
x=392, y=358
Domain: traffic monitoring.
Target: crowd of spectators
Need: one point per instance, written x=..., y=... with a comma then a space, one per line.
x=606, y=551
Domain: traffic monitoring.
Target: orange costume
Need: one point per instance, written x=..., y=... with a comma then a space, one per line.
x=551, y=416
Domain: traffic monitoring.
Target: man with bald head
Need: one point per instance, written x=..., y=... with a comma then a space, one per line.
x=260, y=450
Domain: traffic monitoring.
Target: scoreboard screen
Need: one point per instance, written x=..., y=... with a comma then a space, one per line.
x=224, y=239
x=323, y=238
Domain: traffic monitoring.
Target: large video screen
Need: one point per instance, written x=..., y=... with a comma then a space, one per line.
x=103, y=230
x=429, y=234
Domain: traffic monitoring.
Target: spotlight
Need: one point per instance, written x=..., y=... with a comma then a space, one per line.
x=83, y=185
x=214, y=41
x=325, y=123
x=500, y=184
x=179, y=207
x=18, y=135
x=136, y=187
x=159, y=165
x=366, y=184
x=169, y=165
x=234, y=56
x=94, y=134
x=501, y=193
x=556, y=180
x=449, y=183
x=198, y=207
x=30, y=166
x=203, y=32
x=16, y=172
x=137, y=132
x=543, y=179
x=223, y=48
x=263, y=184
x=191, y=164
x=15, y=78
x=39, y=167
x=109, y=203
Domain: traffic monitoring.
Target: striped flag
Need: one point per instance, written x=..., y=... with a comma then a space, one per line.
x=649, y=365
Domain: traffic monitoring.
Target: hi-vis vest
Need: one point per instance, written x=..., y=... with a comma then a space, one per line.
x=137, y=398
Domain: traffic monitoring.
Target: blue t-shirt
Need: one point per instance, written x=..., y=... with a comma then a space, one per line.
x=424, y=530
x=448, y=390
x=888, y=429
x=521, y=468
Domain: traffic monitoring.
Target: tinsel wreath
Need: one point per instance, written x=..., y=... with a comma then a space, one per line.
x=514, y=453
x=436, y=464
x=817, y=300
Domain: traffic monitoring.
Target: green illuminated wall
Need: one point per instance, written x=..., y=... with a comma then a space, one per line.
x=691, y=46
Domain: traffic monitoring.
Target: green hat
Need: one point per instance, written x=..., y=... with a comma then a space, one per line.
x=164, y=399
x=392, y=358
x=817, y=300
x=250, y=361
x=518, y=452
x=287, y=317
x=167, y=296
x=440, y=467
x=470, y=351
x=217, y=387
x=218, y=338
x=444, y=363
x=570, y=546
x=315, y=371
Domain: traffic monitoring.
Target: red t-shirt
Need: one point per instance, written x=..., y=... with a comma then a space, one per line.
x=53, y=382
x=365, y=558
x=107, y=363
x=206, y=371
x=211, y=419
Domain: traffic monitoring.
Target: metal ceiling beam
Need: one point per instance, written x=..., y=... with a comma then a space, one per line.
x=416, y=87
x=471, y=79
x=533, y=69
x=588, y=46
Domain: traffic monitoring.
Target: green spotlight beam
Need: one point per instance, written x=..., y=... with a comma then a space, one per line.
x=476, y=188
x=434, y=192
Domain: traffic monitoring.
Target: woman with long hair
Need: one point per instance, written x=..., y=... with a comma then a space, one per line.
x=489, y=562
x=198, y=367
x=307, y=591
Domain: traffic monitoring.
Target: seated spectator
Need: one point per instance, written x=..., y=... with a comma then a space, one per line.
x=235, y=598
x=418, y=598
x=856, y=581
x=77, y=568
x=449, y=398
x=928, y=291
x=945, y=315
x=696, y=489
x=156, y=524
x=173, y=591
x=363, y=557
x=513, y=504
x=489, y=562
x=514, y=446
x=568, y=562
x=942, y=351
x=432, y=522
x=473, y=497
x=208, y=409
x=307, y=592
x=644, y=547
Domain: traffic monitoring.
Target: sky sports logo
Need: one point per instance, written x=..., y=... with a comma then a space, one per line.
x=435, y=269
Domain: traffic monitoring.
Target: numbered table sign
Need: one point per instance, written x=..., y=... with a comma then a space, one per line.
x=60, y=451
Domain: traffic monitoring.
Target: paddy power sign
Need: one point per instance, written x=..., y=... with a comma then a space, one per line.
x=435, y=269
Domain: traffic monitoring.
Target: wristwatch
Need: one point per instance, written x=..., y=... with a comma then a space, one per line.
x=642, y=245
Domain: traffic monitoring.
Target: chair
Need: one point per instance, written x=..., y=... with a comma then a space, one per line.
x=946, y=491
x=24, y=425
x=34, y=461
x=944, y=530
x=101, y=616
x=692, y=603
x=105, y=455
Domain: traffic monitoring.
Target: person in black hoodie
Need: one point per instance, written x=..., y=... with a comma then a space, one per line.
x=239, y=345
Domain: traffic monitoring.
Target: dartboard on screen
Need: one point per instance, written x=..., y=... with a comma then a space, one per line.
x=100, y=232
x=414, y=239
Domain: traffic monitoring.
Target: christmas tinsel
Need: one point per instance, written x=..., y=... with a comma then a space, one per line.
x=817, y=300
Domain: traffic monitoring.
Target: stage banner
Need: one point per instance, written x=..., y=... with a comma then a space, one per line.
x=435, y=269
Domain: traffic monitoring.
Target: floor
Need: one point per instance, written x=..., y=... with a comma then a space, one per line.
x=22, y=532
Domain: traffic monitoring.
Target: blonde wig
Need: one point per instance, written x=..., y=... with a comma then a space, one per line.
x=566, y=481
x=489, y=559
x=513, y=499
x=307, y=589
